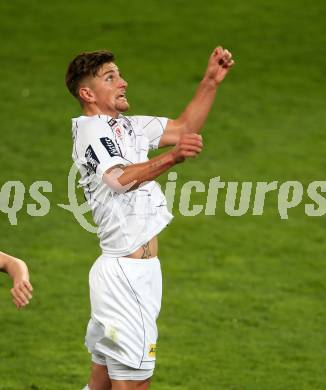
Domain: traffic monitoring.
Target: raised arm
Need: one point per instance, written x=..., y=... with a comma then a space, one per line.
x=18, y=271
x=126, y=178
x=193, y=117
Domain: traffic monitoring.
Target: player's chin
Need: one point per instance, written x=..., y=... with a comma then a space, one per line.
x=123, y=106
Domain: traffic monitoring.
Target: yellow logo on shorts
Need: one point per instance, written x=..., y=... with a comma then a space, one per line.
x=152, y=350
x=112, y=333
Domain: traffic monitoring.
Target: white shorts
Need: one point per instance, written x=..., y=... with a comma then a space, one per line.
x=125, y=299
x=119, y=371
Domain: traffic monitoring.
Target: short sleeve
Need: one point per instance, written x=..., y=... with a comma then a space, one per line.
x=153, y=127
x=96, y=147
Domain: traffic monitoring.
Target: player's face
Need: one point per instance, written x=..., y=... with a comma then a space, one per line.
x=109, y=90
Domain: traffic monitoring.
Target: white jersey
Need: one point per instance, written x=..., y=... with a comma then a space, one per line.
x=127, y=220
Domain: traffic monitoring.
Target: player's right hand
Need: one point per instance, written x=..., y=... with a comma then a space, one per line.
x=189, y=145
x=21, y=292
x=219, y=64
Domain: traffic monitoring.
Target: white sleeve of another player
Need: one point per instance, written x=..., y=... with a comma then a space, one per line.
x=153, y=127
x=96, y=147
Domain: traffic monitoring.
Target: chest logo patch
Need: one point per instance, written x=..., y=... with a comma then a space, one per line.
x=91, y=158
x=118, y=132
x=116, y=128
x=110, y=146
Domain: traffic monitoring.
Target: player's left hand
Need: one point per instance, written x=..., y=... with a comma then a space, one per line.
x=219, y=64
x=21, y=292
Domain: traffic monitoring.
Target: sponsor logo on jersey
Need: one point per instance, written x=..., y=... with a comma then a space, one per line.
x=128, y=127
x=112, y=122
x=91, y=158
x=116, y=128
x=152, y=350
x=118, y=132
x=110, y=146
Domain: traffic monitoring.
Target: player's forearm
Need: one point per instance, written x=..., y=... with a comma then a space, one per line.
x=132, y=176
x=15, y=268
x=126, y=178
x=194, y=116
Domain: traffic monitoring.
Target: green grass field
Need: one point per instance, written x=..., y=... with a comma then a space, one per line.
x=244, y=297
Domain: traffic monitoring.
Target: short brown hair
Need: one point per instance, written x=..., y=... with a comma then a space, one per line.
x=83, y=65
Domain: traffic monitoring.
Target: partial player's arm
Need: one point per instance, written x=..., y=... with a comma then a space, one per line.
x=193, y=117
x=18, y=271
x=126, y=178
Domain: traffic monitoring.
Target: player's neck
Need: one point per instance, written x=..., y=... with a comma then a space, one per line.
x=94, y=110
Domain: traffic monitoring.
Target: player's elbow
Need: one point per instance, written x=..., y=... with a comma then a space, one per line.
x=113, y=178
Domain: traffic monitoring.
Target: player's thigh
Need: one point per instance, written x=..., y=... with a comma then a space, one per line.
x=99, y=379
x=143, y=385
x=130, y=385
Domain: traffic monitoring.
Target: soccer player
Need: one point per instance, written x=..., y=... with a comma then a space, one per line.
x=18, y=271
x=110, y=151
